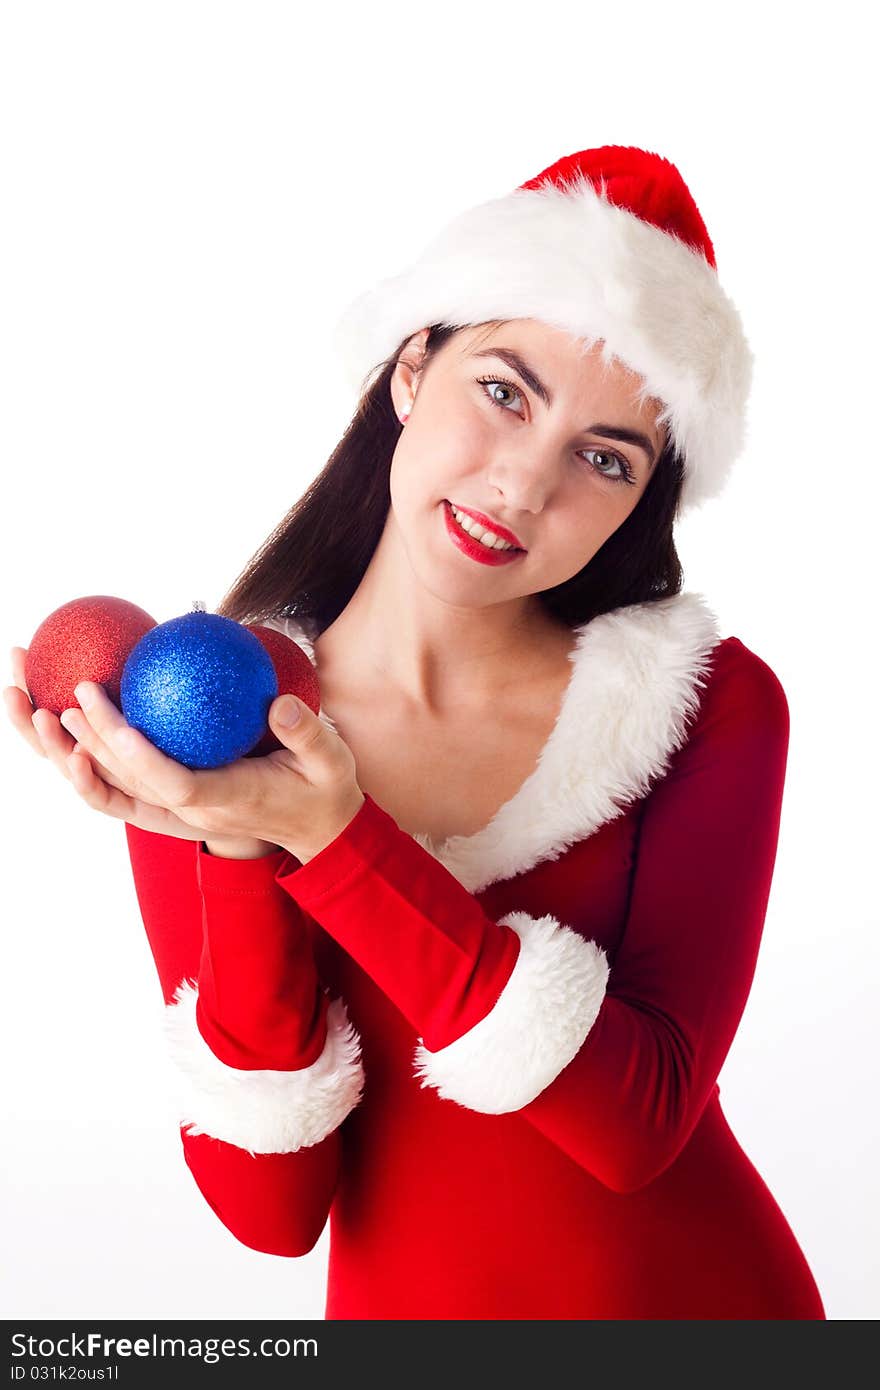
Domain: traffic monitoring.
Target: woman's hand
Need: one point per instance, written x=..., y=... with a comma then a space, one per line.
x=300, y=797
x=43, y=732
x=307, y=795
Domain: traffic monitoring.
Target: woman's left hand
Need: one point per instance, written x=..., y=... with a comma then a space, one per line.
x=300, y=797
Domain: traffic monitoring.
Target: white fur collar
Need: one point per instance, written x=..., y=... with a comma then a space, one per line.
x=627, y=708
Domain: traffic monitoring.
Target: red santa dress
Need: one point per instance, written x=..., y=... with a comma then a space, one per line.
x=493, y=1062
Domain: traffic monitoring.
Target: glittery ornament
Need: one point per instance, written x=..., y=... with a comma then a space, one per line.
x=295, y=675
x=199, y=687
x=87, y=639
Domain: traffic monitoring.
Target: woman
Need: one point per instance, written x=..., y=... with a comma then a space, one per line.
x=460, y=964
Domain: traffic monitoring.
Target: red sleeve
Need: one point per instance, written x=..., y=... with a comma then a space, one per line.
x=267, y=1066
x=613, y=1064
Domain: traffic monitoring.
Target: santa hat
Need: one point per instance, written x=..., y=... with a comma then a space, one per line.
x=606, y=244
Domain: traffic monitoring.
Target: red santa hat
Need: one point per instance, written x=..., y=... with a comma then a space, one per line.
x=607, y=244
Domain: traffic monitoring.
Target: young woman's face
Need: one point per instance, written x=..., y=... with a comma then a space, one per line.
x=479, y=436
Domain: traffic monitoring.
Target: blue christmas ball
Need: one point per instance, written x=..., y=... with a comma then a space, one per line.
x=199, y=687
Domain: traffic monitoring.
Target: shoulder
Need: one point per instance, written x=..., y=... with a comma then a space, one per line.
x=735, y=750
x=742, y=690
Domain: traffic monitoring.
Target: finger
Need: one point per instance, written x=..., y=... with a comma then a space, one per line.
x=103, y=772
x=20, y=711
x=111, y=801
x=57, y=747
x=140, y=762
x=319, y=749
x=45, y=735
x=19, y=706
x=143, y=814
x=115, y=802
x=19, y=655
x=157, y=819
x=55, y=744
x=112, y=770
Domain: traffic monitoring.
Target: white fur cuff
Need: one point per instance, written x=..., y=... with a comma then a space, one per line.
x=538, y=1024
x=262, y=1111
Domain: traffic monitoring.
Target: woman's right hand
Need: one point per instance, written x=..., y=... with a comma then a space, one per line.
x=88, y=768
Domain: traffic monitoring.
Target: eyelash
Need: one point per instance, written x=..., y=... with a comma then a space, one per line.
x=626, y=475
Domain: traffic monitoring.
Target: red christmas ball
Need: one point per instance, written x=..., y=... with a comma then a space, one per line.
x=296, y=676
x=88, y=639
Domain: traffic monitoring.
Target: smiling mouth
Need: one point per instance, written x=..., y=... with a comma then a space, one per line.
x=459, y=517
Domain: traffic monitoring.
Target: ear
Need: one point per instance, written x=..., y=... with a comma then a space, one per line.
x=405, y=377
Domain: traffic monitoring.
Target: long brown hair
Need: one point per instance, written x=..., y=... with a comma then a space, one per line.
x=312, y=563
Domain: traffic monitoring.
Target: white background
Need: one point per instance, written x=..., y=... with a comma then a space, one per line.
x=192, y=193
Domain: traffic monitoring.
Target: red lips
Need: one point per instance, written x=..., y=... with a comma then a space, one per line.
x=475, y=550
x=494, y=526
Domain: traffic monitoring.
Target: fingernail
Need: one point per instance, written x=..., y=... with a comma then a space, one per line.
x=288, y=714
x=84, y=695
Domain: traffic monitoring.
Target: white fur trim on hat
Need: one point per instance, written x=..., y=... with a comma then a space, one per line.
x=536, y=1027
x=573, y=259
x=262, y=1111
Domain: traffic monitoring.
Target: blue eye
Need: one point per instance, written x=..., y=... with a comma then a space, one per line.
x=625, y=475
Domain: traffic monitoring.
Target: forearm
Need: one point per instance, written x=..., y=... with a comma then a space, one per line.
x=259, y=1116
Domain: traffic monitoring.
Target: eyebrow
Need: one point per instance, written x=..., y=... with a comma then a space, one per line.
x=534, y=382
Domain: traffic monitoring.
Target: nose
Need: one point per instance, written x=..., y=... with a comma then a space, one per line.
x=523, y=481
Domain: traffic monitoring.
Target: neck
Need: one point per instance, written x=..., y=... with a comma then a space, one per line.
x=438, y=655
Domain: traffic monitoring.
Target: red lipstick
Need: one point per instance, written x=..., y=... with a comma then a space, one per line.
x=475, y=549
x=493, y=526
